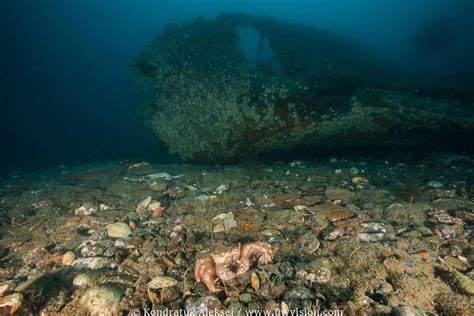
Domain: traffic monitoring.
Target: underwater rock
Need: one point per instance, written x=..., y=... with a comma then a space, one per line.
x=298, y=293
x=209, y=103
x=461, y=282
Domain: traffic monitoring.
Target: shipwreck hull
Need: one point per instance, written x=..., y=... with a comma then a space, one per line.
x=209, y=103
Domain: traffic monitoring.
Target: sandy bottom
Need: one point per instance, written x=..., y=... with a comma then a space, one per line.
x=362, y=236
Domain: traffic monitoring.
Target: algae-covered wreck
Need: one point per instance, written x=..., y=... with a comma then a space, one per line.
x=208, y=99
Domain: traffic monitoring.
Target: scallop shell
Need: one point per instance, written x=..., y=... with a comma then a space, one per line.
x=255, y=281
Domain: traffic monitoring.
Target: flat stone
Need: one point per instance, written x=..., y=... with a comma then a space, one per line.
x=161, y=282
x=339, y=215
x=334, y=193
x=286, y=200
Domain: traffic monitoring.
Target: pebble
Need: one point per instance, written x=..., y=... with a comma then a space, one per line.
x=203, y=197
x=272, y=235
x=456, y=264
x=308, y=243
x=118, y=230
x=161, y=282
x=298, y=293
x=224, y=222
x=220, y=189
x=442, y=217
x=202, y=305
x=371, y=237
x=246, y=298
x=445, y=232
x=462, y=282
x=287, y=269
x=153, y=206
x=339, y=214
x=68, y=258
x=435, y=184
x=119, y=243
x=158, y=186
x=175, y=194
x=143, y=204
x=91, y=263
x=93, y=250
x=468, y=217
x=312, y=276
x=85, y=210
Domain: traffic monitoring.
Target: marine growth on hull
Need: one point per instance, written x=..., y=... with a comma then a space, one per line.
x=240, y=86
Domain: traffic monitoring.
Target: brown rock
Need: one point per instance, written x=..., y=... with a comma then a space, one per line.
x=335, y=193
x=286, y=200
x=338, y=215
x=468, y=217
x=175, y=194
x=309, y=200
x=158, y=186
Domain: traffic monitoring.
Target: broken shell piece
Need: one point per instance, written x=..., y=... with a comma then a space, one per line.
x=91, y=263
x=143, y=204
x=153, y=206
x=359, y=180
x=161, y=282
x=14, y=301
x=224, y=222
x=300, y=208
x=255, y=281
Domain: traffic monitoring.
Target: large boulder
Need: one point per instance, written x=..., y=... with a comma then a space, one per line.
x=208, y=100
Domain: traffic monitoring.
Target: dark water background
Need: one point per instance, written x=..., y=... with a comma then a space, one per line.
x=67, y=93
